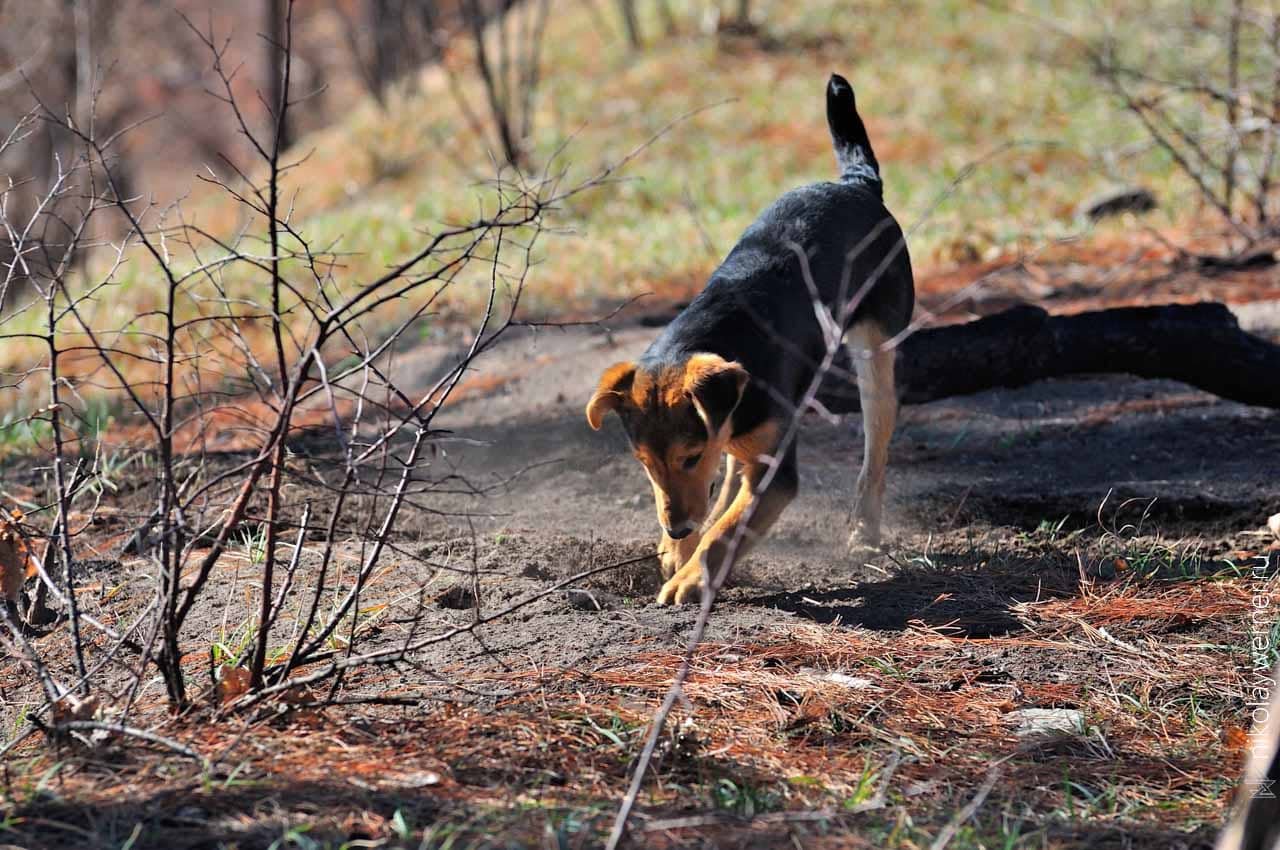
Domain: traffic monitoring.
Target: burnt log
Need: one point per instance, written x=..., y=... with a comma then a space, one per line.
x=1197, y=344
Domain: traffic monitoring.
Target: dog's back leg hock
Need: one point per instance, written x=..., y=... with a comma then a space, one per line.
x=873, y=362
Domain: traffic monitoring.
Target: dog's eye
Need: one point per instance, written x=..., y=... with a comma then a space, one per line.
x=692, y=461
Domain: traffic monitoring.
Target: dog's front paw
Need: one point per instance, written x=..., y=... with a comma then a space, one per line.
x=682, y=587
x=669, y=557
x=673, y=554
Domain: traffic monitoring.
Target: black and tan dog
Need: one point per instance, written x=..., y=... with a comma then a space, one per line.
x=727, y=374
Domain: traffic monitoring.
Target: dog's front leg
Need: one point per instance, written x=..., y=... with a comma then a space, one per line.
x=754, y=507
x=674, y=554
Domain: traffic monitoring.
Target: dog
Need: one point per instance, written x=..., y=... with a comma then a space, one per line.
x=727, y=374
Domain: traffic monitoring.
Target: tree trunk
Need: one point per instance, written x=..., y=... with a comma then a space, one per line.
x=275, y=11
x=1198, y=344
x=385, y=23
x=631, y=23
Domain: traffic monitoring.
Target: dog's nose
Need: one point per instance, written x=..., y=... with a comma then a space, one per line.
x=681, y=531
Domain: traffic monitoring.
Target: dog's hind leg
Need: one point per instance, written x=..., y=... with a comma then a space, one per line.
x=878, y=397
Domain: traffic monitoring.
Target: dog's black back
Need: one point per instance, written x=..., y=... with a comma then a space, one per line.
x=757, y=309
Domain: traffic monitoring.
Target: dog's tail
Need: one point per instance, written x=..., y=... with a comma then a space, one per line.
x=853, y=149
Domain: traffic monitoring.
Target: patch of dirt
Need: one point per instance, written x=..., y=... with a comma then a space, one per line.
x=1064, y=546
x=973, y=481
x=1150, y=450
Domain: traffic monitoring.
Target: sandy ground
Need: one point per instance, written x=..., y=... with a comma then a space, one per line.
x=1104, y=454
x=1044, y=452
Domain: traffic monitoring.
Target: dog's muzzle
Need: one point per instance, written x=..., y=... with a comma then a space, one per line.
x=681, y=531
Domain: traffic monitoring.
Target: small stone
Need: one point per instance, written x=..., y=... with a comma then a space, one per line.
x=1047, y=721
x=835, y=677
x=844, y=680
x=417, y=779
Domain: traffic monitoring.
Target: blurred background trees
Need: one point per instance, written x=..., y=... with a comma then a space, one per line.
x=65, y=51
x=1204, y=86
x=1104, y=91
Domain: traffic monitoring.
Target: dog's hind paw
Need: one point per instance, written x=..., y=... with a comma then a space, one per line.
x=863, y=540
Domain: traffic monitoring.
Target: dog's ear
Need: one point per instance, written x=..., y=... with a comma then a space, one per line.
x=612, y=392
x=715, y=386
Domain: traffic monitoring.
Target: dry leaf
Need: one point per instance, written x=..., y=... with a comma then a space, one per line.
x=72, y=707
x=232, y=682
x=17, y=561
x=1236, y=739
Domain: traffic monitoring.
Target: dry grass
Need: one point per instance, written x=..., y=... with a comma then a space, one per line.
x=943, y=83
x=768, y=748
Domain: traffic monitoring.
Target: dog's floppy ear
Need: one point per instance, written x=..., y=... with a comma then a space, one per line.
x=715, y=386
x=614, y=384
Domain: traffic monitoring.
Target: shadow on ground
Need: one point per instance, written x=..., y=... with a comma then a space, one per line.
x=964, y=595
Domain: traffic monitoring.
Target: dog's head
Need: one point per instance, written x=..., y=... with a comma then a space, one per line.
x=677, y=417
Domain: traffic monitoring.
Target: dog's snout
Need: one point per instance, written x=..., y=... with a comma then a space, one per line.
x=681, y=531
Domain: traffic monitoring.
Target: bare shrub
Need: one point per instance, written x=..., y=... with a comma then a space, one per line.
x=260, y=335
x=1206, y=91
x=631, y=23
x=506, y=42
x=391, y=39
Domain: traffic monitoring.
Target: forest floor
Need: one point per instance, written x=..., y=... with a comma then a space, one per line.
x=1076, y=573
x=1066, y=598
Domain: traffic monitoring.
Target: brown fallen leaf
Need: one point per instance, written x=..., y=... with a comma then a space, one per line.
x=232, y=682
x=1236, y=739
x=17, y=561
x=71, y=707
